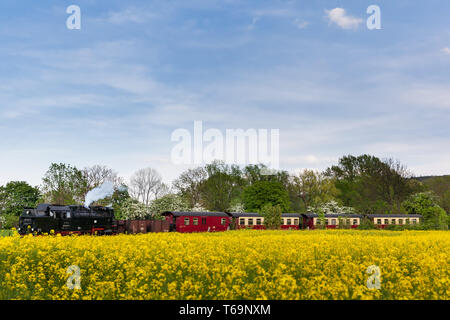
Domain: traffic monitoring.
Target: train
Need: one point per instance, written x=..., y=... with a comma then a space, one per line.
x=220, y=221
x=73, y=219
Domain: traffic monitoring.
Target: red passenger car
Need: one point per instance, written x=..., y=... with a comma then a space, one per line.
x=181, y=221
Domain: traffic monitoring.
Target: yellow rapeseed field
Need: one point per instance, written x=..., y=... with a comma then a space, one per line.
x=246, y=264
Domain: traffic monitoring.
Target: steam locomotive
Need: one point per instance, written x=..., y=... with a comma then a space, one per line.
x=47, y=218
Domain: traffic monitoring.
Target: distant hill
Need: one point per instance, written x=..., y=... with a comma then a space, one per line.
x=440, y=185
x=424, y=178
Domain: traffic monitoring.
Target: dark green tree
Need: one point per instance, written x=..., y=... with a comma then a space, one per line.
x=254, y=173
x=371, y=185
x=441, y=188
x=260, y=193
x=223, y=184
x=17, y=195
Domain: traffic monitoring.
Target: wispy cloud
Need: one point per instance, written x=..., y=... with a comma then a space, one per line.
x=301, y=24
x=132, y=14
x=427, y=95
x=273, y=12
x=115, y=96
x=340, y=17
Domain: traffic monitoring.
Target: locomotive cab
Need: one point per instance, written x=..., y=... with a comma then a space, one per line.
x=37, y=220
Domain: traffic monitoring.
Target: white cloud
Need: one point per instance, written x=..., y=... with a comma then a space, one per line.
x=426, y=95
x=446, y=50
x=342, y=19
x=301, y=24
x=273, y=13
x=321, y=113
x=129, y=15
x=422, y=159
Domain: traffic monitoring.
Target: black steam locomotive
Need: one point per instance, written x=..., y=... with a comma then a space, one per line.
x=47, y=218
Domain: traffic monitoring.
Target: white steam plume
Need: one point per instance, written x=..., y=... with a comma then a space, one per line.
x=101, y=192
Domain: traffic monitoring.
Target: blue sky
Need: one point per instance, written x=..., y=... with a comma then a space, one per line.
x=113, y=92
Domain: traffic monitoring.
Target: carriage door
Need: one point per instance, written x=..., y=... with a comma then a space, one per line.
x=173, y=225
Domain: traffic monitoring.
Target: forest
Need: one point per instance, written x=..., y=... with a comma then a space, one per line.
x=356, y=184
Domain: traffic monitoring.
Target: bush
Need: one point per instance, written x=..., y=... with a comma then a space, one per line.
x=9, y=221
x=321, y=218
x=272, y=216
x=425, y=204
x=436, y=219
x=366, y=224
x=343, y=223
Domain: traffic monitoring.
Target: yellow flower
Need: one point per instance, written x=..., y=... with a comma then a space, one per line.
x=245, y=264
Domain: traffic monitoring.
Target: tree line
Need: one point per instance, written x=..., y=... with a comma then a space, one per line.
x=356, y=184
